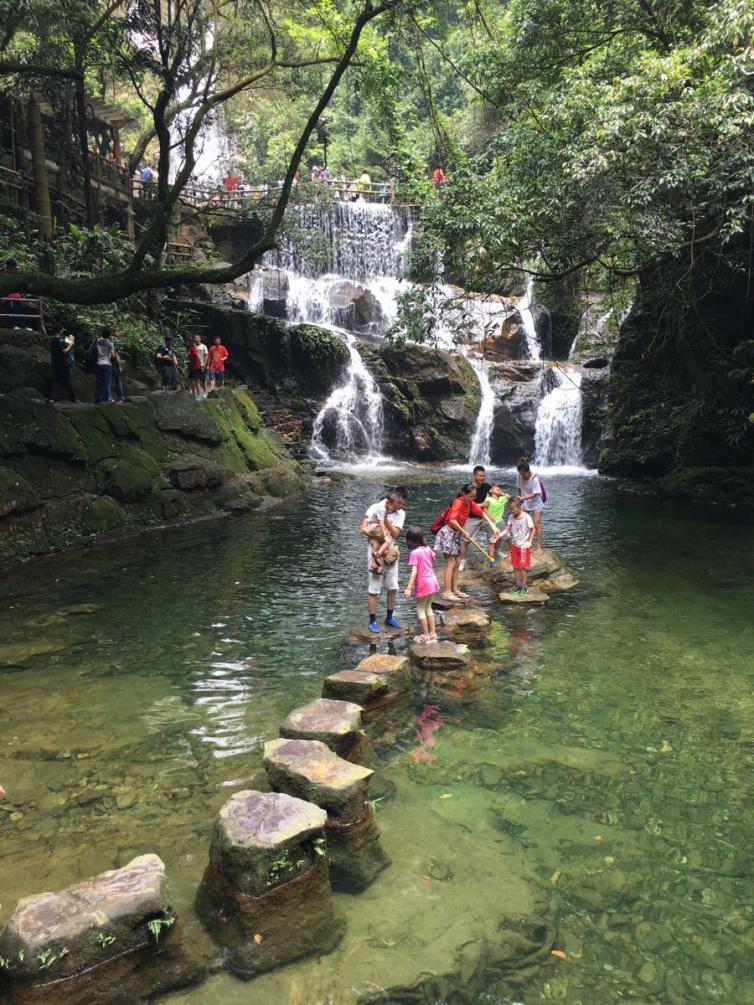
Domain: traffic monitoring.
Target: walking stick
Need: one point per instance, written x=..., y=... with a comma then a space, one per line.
x=478, y=547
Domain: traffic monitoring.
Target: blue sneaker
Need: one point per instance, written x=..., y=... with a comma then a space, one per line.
x=373, y=626
x=393, y=623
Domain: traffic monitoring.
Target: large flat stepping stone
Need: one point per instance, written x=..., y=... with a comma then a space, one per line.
x=266, y=896
x=548, y=570
x=256, y=830
x=533, y=597
x=466, y=624
x=308, y=769
x=52, y=936
x=335, y=723
x=376, y=678
x=361, y=635
x=440, y=655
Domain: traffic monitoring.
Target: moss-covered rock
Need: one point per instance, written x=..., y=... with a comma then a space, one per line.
x=431, y=400
x=72, y=472
x=16, y=494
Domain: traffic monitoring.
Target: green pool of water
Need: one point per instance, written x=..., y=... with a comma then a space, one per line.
x=596, y=776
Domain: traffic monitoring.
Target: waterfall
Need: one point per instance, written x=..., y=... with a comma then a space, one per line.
x=479, y=452
x=349, y=425
x=533, y=347
x=352, y=240
x=557, y=435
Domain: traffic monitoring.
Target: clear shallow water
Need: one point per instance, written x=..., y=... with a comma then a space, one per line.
x=606, y=749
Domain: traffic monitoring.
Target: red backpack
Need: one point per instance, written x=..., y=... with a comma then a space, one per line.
x=439, y=521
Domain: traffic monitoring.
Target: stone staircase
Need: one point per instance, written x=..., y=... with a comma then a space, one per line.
x=292, y=428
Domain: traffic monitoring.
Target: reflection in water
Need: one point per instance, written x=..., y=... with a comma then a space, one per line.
x=604, y=744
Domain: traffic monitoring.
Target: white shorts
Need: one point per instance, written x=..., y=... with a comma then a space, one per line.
x=472, y=527
x=388, y=580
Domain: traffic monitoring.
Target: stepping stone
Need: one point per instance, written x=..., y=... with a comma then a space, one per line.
x=266, y=896
x=53, y=936
x=377, y=680
x=336, y=723
x=533, y=598
x=439, y=604
x=440, y=655
x=469, y=624
x=360, y=635
x=307, y=768
x=548, y=572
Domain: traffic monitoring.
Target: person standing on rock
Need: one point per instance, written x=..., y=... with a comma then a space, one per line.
x=167, y=363
x=390, y=511
x=451, y=535
x=482, y=486
x=216, y=360
x=520, y=527
x=197, y=361
x=62, y=358
x=531, y=495
x=423, y=581
x=104, y=372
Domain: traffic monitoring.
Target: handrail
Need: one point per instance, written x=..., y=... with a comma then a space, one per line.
x=243, y=196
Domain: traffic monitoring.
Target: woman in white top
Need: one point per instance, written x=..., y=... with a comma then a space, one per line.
x=530, y=493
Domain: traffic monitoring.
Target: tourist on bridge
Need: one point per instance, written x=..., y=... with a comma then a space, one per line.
x=439, y=178
x=391, y=512
x=452, y=534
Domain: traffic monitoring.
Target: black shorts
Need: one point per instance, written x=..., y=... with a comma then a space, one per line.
x=169, y=376
x=196, y=373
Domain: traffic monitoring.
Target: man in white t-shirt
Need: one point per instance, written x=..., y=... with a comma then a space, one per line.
x=391, y=512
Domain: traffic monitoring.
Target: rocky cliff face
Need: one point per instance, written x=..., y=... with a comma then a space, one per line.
x=431, y=400
x=680, y=390
x=72, y=472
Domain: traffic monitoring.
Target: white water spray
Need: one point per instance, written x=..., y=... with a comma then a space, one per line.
x=557, y=434
x=349, y=426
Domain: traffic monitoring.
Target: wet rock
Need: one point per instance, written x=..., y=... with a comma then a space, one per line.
x=308, y=769
x=360, y=634
x=254, y=829
x=179, y=413
x=337, y=724
x=514, y=419
x=466, y=624
x=548, y=571
x=356, y=307
x=16, y=494
x=266, y=896
x=52, y=936
x=533, y=597
x=274, y=292
x=440, y=655
x=377, y=680
x=355, y=853
x=188, y=473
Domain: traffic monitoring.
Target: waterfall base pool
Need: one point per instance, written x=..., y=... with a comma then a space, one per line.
x=592, y=785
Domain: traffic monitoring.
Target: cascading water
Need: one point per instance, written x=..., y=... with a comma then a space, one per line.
x=557, y=434
x=351, y=418
x=557, y=431
x=479, y=452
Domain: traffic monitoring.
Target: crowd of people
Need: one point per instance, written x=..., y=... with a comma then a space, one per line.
x=515, y=518
x=206, y=365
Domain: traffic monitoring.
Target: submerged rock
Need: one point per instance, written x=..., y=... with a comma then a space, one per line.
x=266, y=896
x=440, y=655
x=337, y=724
x=17, y=654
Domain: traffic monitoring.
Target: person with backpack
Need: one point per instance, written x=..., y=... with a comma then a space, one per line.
x=450, y=529
x=532, y=494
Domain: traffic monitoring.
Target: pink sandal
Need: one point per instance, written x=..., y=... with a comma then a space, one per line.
x=421, y=639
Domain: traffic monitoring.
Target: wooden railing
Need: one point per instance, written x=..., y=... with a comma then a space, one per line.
x=243, y=197
x=21, y=312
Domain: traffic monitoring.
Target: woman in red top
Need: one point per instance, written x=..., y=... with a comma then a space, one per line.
x=448, y=540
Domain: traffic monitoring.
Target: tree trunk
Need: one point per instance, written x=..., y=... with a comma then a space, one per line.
x=86, y=171
x=42, y=203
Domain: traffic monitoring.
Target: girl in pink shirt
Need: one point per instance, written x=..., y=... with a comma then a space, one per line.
x=423, y=578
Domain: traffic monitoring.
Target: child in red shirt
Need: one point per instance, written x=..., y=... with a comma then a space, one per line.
x=218, y=356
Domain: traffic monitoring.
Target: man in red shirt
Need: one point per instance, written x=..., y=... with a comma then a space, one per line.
x=218, y=355
x=197, y=355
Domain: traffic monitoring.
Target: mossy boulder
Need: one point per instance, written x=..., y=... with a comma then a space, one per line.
x=96, y=434
x=128, y=481
x=431, y=400
x=16, y=494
